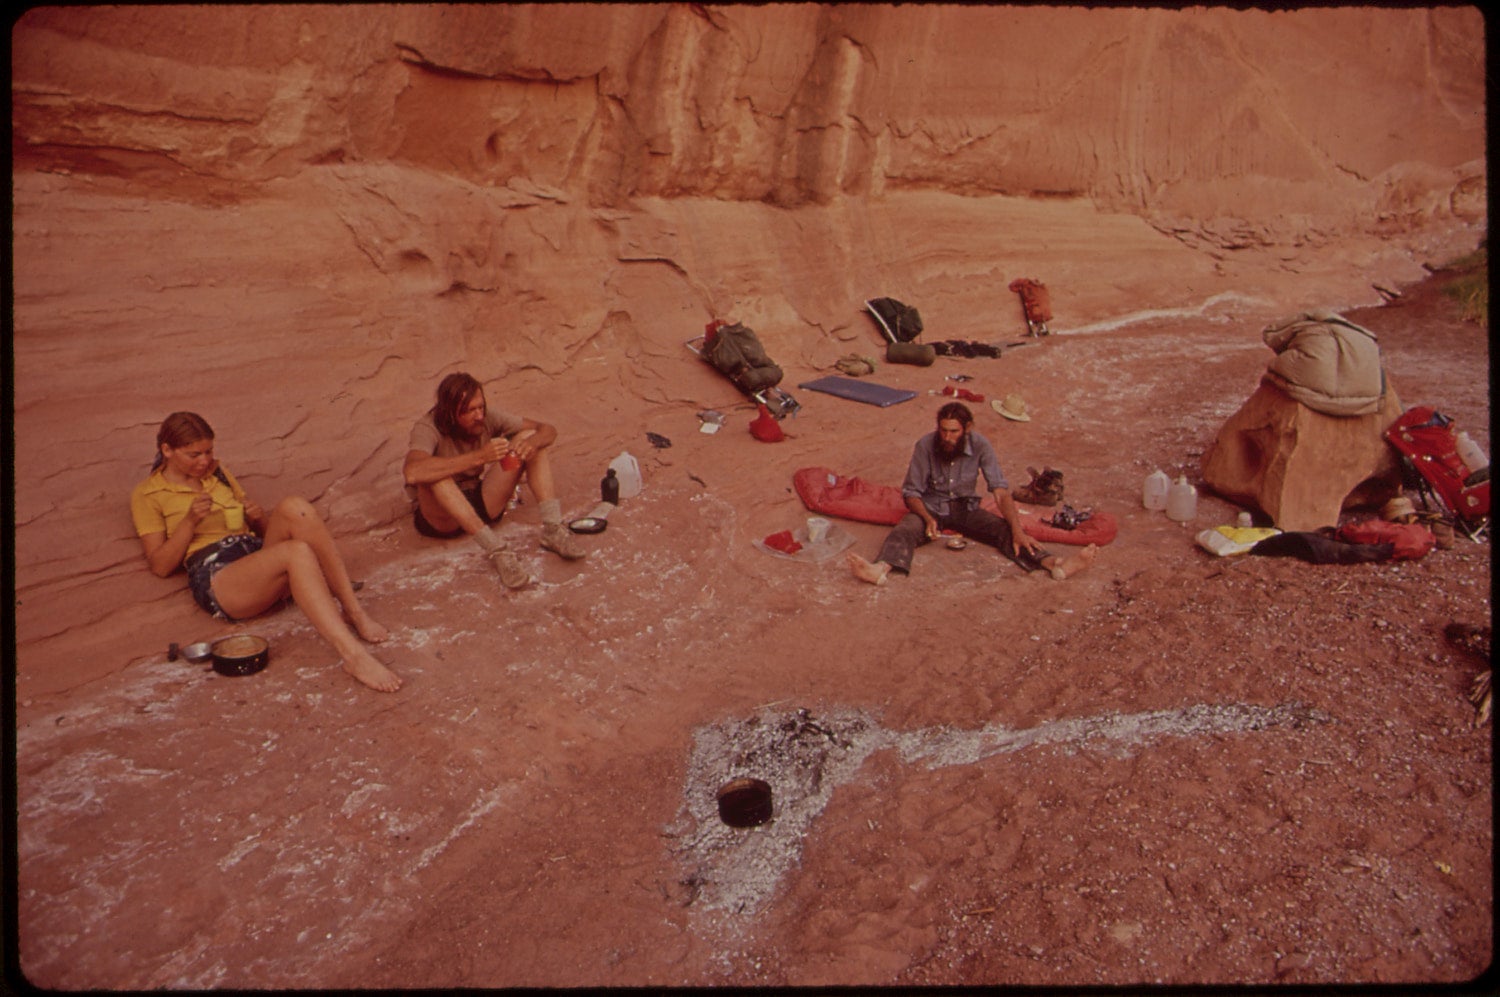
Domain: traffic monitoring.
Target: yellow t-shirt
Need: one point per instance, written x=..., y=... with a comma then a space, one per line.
x=157, y=506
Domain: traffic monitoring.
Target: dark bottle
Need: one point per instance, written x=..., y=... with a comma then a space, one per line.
x=609, y=488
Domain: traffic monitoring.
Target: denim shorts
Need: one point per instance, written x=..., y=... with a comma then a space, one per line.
x=204, y=564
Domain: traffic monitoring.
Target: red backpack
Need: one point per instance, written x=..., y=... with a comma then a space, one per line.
x=1428, y=443
x=1036, y=302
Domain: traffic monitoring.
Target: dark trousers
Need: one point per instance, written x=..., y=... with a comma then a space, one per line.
x=973, y=522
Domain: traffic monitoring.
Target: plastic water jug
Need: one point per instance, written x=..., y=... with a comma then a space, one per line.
x=1470, y=453
x=629, y=473
x=1154, y=494
x=1182, y=500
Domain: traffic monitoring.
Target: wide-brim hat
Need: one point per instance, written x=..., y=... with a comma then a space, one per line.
x=1012, y=406
x=1398, y=508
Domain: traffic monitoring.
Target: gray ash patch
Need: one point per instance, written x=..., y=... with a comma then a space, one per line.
x=804, y=758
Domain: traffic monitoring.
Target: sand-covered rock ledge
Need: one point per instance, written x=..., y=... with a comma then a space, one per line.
x=296, y=219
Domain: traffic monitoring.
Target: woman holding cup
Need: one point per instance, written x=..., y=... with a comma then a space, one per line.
x=242, y=561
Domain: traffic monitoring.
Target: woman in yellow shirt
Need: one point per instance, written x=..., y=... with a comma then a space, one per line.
x=242, y=561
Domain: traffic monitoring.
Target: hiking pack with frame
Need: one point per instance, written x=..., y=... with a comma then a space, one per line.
x=1427, y=441
x=737, y=353
x=901, y=324
x=1036, y=304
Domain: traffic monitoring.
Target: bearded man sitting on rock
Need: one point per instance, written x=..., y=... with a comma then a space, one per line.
x=463, y=463
x=940, y=493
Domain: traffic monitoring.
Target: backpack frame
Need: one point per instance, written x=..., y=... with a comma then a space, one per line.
x=898, y=321
x=1427, y=442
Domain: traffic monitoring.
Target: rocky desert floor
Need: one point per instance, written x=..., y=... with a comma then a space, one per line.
x=1174, y=768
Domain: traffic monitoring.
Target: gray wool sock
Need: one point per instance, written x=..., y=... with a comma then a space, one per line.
x=487, y=540
x=551, y=511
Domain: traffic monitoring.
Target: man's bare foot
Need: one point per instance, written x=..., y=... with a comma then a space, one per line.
x=1067, y=567
x=371, y=672
x=874, y=572
x=367, y=628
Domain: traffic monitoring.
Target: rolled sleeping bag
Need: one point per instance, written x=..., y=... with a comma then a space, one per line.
x=917, y=354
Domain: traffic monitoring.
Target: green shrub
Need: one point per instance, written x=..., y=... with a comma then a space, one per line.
x=1471, y=288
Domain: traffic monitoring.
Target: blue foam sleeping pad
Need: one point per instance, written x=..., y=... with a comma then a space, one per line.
x=859, y=391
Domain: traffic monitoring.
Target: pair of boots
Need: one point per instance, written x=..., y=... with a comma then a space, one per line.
x=513, y=575
x=1045, y=488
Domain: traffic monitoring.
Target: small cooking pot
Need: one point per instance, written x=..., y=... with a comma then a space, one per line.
x=242, y=654
x=744, y=802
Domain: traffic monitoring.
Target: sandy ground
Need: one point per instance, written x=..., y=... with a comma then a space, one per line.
x=1173, y=768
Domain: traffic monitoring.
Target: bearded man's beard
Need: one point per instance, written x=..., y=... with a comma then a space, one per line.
x=947, y=451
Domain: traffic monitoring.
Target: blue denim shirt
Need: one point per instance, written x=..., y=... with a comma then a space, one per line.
x=938, y=482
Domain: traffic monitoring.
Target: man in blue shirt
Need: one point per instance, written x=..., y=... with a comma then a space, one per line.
x=941, y=493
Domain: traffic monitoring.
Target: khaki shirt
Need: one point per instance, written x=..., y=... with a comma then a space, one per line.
x=426, y=438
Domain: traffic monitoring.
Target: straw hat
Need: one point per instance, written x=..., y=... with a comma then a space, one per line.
x=1397, y=509
x=1013, y=407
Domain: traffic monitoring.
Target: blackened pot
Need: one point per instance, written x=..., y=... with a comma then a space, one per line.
x=242, y=654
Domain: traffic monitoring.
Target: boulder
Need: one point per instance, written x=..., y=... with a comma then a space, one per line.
x=1299, y=466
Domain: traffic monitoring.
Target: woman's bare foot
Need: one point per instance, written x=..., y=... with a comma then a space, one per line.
x=372, y=673
x=1067, y=567
x=367, y=628
x=867, y=571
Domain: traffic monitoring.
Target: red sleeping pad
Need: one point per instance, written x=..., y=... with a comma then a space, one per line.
x=830, y=494
x=1409, y=541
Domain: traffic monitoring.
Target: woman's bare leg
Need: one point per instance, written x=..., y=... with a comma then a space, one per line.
x=296, y=519
x=258, y=581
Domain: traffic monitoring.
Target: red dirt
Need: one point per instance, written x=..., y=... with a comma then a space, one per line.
x=1173, y=768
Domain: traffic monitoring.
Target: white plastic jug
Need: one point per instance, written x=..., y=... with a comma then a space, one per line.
x=629, y=472
x=1154, y=494
x=1182, y=500
x=1470, y=453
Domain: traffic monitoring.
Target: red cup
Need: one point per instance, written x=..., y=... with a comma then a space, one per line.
x=510, y=462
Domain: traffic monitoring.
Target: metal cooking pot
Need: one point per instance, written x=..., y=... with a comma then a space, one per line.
x=744, y=802
x=241, y=654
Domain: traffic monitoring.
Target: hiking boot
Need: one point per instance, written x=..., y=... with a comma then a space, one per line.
x=512, y=575
x=557, y=539
x=1043, y=489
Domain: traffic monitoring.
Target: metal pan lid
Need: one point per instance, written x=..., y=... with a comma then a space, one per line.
x=588, y=524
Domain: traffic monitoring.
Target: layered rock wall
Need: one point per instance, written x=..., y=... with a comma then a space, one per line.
x=1141, y=109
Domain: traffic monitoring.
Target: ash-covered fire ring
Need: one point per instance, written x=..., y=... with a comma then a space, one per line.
x=745, y=802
